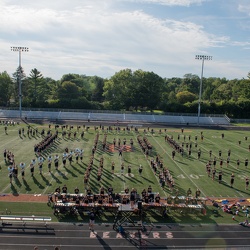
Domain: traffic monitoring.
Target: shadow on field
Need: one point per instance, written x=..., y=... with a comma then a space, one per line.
x=76, y=169
x=62, y=174
x=70, y=172
x=45, y=180
x=13, y=189
x=55, y=178
x=27, y=187
x=37, y=183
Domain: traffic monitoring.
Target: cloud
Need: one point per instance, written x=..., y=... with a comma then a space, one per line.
x=186, y=3
x=98, y=38
x=245, y=8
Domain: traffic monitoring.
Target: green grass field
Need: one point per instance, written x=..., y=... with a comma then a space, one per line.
x=187, y=171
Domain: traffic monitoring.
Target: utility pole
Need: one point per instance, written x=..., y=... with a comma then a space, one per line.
x=20, y=50
x=203, y=58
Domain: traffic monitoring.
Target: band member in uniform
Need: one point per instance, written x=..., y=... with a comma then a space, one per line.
x=102, y=191
x=197, y=193
x=220, y=176
x=32, y=168
x=113, y=168
x=10, y=169
x=49, y=163
x=77, y=190
x=246, y=163
x=247, y=183
x=77, y=154
x=64, y=189
x=64, y=158
x=71, y=157
x=150, y=189
x=22, y=166
x=157, y=198
x=56, y=161
x=238, y=163
x=122, y=168
x=40, y=164
x=140, y=169
x=81, y=154
x=23, y=172
x=232, y=180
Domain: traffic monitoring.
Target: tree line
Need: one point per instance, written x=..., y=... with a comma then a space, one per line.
x=128, y=90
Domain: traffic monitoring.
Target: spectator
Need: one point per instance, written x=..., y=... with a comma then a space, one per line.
x=91, y=220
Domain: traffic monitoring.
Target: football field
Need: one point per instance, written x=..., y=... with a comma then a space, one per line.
x=186, y=170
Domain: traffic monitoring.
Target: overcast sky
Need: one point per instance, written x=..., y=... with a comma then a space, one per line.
x=101, y=37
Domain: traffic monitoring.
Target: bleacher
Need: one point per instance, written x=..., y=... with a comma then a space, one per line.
x=117, y=117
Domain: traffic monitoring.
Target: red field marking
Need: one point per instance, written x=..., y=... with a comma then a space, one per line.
x=125, y=148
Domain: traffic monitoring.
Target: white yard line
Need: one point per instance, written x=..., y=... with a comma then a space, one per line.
x=180, y=167
x=157, y=180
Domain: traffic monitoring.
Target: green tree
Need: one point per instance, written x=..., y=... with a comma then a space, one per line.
x=97, y=93
x=147, y=89
x=118, y=89
x=190, y=83
x=67, y=91
x=37, y=87
x=185, y=96
x=6, y=86
x=19, y=80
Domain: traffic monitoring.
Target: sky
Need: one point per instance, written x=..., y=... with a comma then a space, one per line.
x=102, y=37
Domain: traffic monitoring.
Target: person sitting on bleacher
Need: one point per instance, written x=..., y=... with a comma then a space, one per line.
x=77, y=201
x=76, y=190
x=102, y=191
x=117, y=197
x=146, y=198
x=143, y=193
x=110, y=190
x=64, y=199
x=89, y=191
x=157, y=198
x=126, y=190
x=64, y=189
x=150, y=189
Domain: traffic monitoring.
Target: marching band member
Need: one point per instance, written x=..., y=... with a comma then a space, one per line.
x=10, y=169
x=81, y=154
x=157, y=198
x=22, y=166
x=77, y=151
x=71, y=153
x=49, y=162
x=40, y=163
x=64, y=158
x=56, y=161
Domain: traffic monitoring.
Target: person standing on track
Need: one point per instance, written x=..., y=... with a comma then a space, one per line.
x=91, y=220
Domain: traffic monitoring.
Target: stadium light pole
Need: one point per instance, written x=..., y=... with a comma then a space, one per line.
x=203, y=58
x=20, y=50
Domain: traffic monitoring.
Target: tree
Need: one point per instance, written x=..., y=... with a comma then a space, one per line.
x=6, y=86
x=118, y=88
x=190, y=83
x=97, y=93
x=185, y=96
x=37, y=88
x=18, y=79
x=68, y=90
x=147, y=89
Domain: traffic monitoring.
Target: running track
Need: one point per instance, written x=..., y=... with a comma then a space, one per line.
x=78, y=236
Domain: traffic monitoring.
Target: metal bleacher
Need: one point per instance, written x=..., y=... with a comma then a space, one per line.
x=174, y=119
